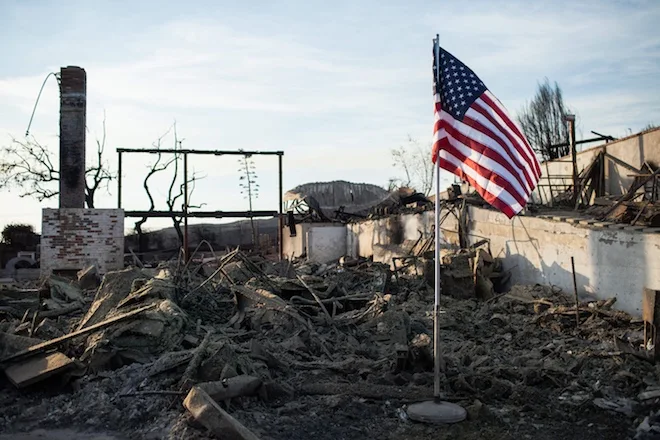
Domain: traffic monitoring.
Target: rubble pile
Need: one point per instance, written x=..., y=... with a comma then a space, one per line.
x=246, y=349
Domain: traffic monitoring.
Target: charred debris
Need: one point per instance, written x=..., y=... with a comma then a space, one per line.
x=237, y=346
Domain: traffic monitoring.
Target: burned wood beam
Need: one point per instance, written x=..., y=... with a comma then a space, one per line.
x=47, y=345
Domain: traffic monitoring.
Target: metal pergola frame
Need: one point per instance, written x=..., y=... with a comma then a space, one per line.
x=203, y=214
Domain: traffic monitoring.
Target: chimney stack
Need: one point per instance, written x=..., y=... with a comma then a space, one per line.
x=73, y=109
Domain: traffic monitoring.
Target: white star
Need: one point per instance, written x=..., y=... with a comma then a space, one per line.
x=461, y=96
x=474, y=81
x=451, y=61
x=462, y=102
x=462, y=68
x=455, y=73
x=476, y=88
x=469, y=94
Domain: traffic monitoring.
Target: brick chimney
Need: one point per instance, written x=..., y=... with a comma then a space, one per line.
x=73, y=109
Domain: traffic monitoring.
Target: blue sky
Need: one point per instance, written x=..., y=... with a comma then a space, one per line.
x=335, y=85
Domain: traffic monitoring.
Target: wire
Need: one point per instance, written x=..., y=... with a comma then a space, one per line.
x=27, y=132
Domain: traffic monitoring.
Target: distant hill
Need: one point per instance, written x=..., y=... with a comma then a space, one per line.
x=220, y=235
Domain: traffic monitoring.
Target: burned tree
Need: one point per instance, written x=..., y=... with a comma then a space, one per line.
x=173, y=196
x=415, y=163
x=29, y=167
x=543, y=121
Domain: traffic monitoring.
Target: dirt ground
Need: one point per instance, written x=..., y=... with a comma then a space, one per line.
x=516, y=362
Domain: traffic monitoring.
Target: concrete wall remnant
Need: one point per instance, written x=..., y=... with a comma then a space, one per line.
x=624, y=157
x=75, y=238
x=326, y=243
x=609, y=262
x=321, y=242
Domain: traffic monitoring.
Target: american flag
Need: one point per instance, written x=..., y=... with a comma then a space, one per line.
x=477, y=140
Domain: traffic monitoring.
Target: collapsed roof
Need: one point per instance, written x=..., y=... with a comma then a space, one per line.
x=329, y=197
x=341, y=200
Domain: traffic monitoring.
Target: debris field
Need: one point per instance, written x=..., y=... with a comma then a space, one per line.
x=240, y=347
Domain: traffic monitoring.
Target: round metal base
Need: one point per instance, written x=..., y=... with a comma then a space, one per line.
x=436, y=412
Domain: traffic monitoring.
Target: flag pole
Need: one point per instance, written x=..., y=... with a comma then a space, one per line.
x=436, y=410
x=438, y=287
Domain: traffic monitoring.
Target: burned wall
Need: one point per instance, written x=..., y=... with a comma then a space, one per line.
x=610, y=260
x=624, y=157
x=74, y=238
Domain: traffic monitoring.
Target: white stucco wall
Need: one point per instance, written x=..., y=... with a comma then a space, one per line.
x=322, y=242
x=608, y=262
x=326, y=243
x=297, y=245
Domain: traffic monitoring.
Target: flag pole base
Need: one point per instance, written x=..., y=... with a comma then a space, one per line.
x=436, y=412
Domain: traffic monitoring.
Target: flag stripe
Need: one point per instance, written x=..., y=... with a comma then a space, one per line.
x=493, y=158
x=491, y=174
x=484, y=131
x=494, y=104
x=515, y=127
x=454, y=166
x=486, y=117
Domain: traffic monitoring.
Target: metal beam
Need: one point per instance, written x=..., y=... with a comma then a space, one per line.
x=185, y=206
x=201, y=214
x=583, y=141
x=280, y=222
x=207, y=152
x=119, y=182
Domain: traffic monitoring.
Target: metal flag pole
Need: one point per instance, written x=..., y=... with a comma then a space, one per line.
x=437, y=411
x=438, y=287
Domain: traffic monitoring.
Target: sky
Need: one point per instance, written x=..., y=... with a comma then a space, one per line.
x=335, y=85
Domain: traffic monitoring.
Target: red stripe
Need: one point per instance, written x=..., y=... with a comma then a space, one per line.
x=516, y=145
x=514, y=128
x=484, y=172
x=482, y=149
x=488, y=197
x=502, y=112
x=473, y=123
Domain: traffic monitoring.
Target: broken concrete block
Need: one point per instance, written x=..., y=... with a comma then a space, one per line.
x=89, y=278
x=207, y=412
x=61, y=289
x=10, y=344
x=37, y=368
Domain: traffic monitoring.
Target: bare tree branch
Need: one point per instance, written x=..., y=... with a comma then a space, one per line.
x=158, y=166
x=27, y=166
x=415, y=162
x=172, y=196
